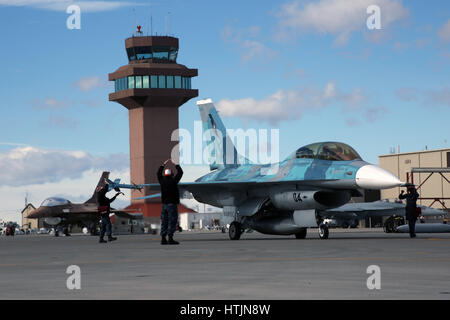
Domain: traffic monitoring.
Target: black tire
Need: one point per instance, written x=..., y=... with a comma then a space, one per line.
x=323, y=231
x=235, y=230
x=301, y=234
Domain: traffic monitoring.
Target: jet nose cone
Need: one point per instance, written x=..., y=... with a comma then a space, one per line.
x=373, y=177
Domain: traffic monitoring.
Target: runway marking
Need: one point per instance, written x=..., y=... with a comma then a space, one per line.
x=438, y=239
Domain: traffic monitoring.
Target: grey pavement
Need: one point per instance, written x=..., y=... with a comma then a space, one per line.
x=207, y=265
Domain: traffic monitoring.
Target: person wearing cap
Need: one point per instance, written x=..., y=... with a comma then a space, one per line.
x=170, y=198
x=104, y=208
x=411, y=204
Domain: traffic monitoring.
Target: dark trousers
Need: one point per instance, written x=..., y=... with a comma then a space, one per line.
x=411, y=217
x=169, y=219
x=105, y=226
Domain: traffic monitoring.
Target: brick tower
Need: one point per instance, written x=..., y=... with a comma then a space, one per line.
x=152, y=86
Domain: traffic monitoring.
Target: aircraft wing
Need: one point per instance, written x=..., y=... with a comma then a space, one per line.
x=377, y=208
x=127, y=215
x=217, y=186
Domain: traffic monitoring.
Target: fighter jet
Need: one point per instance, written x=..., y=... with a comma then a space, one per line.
x=283, y=198
x=60, y=213
x=349, y=214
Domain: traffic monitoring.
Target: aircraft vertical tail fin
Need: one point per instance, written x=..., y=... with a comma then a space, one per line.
x=222, y=152
x=101, y=183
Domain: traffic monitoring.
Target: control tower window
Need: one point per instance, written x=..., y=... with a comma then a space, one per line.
x=186, y=83
x=138, y=82
x=157, y=54
x=154, y=81
x=161, y=81
x=145, y=82
x=160, y=54
x=169, y=82
x=130, y=82
x=173, y=55
x=120, y=84
x=177, y=82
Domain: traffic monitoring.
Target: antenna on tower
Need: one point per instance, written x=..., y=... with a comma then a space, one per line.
x=168, y=23
x=133, y=23
x=151, y=18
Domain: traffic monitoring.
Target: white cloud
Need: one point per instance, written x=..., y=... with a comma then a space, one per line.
x=87, y=84
x=444, y=32
x=428, y=98
x=291, y=104
x=249, y=47
x=28, y=165
x=61, y=5
x=49, y=103
x=339, y=18
x=61, y=121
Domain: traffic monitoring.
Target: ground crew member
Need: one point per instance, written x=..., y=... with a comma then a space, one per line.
x=104, y=208
x=170, y=198
x=411, y=206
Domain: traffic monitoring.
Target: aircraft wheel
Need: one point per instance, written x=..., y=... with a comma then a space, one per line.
x=301, y=234
x=323, y=231
x=235, y=230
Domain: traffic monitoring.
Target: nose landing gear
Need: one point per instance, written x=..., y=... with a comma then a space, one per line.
x=323, y=231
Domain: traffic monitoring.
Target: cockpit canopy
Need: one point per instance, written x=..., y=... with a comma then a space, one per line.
x=333, y=151
x=54, y=201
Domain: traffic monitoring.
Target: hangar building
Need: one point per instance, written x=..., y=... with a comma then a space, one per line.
x=429, y=170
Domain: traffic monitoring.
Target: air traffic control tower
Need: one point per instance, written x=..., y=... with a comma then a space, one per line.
x=152, y=86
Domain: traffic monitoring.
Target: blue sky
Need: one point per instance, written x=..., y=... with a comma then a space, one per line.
x=311, y=69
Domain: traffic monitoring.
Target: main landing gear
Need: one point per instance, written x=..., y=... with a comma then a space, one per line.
x=235, y=230
x=301, y=234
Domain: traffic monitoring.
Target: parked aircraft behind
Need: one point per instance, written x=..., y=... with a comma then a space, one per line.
x=60, y=213
x=283, y=198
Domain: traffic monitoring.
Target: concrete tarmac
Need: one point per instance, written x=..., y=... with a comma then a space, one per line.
x=207, y=265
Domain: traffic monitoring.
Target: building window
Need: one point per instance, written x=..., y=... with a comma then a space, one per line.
x=161, y=81
x=130, y=82
x=145, y=83
x=154, y=81
x=169, y=82
x=448, y=159
x=138, y=82
x=186, y=83
x=177, y=82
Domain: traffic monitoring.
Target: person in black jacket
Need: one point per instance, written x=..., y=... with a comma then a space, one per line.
x=411, y=205
x=170, y=198
x=104, y=208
